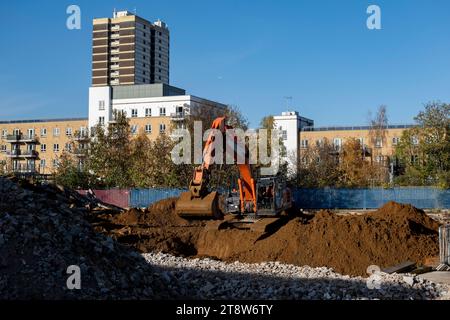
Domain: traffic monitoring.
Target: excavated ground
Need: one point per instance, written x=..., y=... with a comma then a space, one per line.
x=346, y=243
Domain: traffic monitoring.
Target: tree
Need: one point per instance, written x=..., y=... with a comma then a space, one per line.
x=355, y=170
x=70, y=174
x=377, y=138
x=424, y=150
x=110, y=152
x=318, y=166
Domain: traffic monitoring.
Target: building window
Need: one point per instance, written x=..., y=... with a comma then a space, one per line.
x=162, y=112
x=159, y=64
x=4, y=133
x=304, y=143
x=134, y=113
x=160, y=33
x=378, y=142
x=69, y=132
x=68, y=146
x=43, y=132
x=148, y=128
x=42, y=163
x=143, y=65
x=3, y=148
x=159, y=70
x=319, y=142
x=148, y=112
x=143, y=57
x=415, y=140
x=43, y=147
x=395, y=141
x=101, y=105
x=162, y=128
x=134, y=129
x=55, y=163
x=379, y=159
x=337, y=143
x=56, y=132
x=159, y=55
x=30, y=133
x=101, y=120
x=56, y=147
x=284, y=134
x=304, y=160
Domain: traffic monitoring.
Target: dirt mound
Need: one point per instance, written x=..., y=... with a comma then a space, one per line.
x=162, y=213
x=348, y=243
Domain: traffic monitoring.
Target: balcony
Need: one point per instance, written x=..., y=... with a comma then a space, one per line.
x=115, y=66
x=114, y=51
x=177, y=116
x=114, y=58
x=13, y=137
x=115, y=28
x=115, y=43
x=18, y=138
x=80, y=152
x=81, y=137
x=115, y=35
x=21, y=153
x=115, y=74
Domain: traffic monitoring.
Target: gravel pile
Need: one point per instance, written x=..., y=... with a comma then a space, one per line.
x=43, y=231
x=213, y=279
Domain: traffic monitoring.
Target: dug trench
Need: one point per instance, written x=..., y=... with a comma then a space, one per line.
x=347, y=243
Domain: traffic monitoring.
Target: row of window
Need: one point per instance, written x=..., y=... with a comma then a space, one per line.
x=338, y=142
x=148, y=128
x=43, y=132
x=134, y=112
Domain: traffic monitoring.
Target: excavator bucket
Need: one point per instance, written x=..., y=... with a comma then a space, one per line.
x=206, y=207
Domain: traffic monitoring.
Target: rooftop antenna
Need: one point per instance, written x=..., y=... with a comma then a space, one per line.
x=288, y=100
x=114, y=13
x=134, y=10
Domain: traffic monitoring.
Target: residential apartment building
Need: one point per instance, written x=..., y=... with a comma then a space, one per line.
x=128, y=49
x=302, y=136
x=152, y=108
x=36, y=145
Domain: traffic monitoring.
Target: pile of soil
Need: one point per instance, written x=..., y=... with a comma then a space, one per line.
x=347, y=243
x=156, y=228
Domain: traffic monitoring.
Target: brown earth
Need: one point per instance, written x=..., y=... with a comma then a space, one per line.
x=347, y=243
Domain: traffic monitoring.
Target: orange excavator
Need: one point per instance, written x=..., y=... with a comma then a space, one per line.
x=256, y=198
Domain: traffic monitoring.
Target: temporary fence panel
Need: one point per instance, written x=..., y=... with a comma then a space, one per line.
x=142, y=198
x=444, y=244
x=117, y=197
x=333, y=198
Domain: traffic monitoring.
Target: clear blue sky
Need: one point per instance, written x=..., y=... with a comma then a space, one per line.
x=247, y=53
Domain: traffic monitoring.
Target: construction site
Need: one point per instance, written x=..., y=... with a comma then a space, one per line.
x=250, y=243
x=359, y=212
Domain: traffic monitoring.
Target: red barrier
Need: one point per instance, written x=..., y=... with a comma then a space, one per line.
x=117, y=197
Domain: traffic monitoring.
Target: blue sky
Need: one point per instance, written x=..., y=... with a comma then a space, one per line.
x=250, y=53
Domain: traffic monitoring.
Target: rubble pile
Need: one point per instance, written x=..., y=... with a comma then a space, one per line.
x=213, y=279
x=43, y=231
